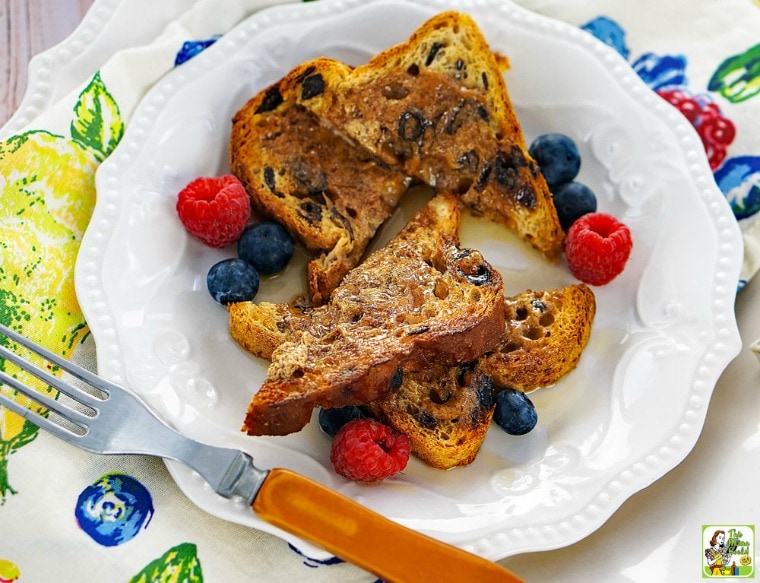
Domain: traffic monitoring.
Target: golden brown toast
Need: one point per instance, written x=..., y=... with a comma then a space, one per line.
x=261, y=327
x=445, y=411
x=545, y=334
x=331, y=196
x=421, y=299
x=437, y=106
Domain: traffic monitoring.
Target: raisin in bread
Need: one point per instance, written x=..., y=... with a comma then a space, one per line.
x=544, y=336
x=437, y=107
x=418, y=300
x=331, y=196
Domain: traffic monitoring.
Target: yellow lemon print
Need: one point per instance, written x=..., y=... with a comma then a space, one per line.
x=48, y=195
x=47, y=189
x=9, y=572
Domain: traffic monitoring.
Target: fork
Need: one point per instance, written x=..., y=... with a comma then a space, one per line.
x=109, y=419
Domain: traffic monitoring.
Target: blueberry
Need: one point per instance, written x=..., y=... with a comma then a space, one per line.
x=573, y=200
x=331, y=420
x=267, y=246
x=514, y=412
x=232, y=280
x=557, y=156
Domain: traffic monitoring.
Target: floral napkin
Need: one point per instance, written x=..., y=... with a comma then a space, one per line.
x=67, y=515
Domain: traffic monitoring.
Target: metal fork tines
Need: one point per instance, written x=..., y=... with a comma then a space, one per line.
x=109, y=419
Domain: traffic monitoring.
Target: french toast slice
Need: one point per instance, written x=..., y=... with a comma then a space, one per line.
x=545, y=335
x=331, y=197
x=445, y=411
x=421, y=299
x=437, y=107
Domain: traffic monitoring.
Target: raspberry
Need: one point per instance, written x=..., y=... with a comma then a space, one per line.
x=214, y=209
x=365, y=450
x=597, y=248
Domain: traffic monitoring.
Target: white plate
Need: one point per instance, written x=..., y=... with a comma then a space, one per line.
x=664, y=330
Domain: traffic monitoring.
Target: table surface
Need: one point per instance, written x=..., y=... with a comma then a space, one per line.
x=656, y=534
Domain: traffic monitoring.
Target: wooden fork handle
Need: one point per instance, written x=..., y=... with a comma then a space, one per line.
x=363, y=537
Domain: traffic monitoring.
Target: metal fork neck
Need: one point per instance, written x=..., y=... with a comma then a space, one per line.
x=242, y=479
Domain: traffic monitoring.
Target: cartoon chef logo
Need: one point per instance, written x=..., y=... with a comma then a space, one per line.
x=728, y=551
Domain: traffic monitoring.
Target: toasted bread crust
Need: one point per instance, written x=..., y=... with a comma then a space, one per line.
x=446, y=413
x=545, y=335
x=437, y=106
x=419, y=300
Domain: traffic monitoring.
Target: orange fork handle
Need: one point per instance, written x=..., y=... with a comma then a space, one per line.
x=363, y=537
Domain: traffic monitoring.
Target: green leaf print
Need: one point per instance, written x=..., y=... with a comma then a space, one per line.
x=97, y=123
x=177, y=565
x=738, y=77
x=15, y=432
x=8, y=446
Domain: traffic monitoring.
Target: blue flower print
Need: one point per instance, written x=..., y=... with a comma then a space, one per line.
x=114, y=509
x=660, y=72
x=609, y=32
x=739, y=179
x=313, y=563
x=191, y=48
